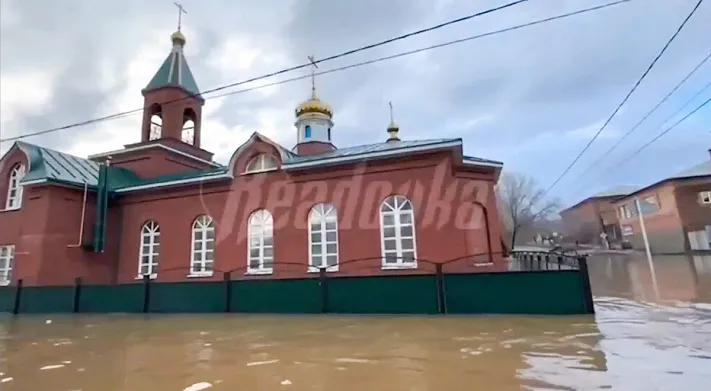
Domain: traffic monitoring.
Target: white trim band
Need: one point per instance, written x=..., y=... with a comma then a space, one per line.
x=149, y=146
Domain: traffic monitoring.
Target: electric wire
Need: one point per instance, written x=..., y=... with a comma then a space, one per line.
x=682, y=108
x=660, y=135
x=654, y=109
x=617, y=109
x=293, y=68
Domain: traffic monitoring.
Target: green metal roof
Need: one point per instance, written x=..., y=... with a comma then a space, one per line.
x=366, y=149
x=175, y=72
x=55, y=166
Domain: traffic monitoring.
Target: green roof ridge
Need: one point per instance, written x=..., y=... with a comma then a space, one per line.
x=175, y=72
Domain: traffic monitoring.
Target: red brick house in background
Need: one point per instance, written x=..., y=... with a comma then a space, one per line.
x=676, y=211
x=163, y=208
x=587, y=219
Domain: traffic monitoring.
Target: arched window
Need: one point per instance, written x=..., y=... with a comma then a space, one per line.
x=307, y=131
x=187, y=135
x=150, y=249
x=262, y=163
x=14, y=189
x=397, y=229
x=323, y=237
x=261, y=243
x=203, y=248
x=156, y=130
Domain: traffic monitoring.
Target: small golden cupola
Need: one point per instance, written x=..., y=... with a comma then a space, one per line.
x=314, y=105
x=393, y=128
x=314, y=120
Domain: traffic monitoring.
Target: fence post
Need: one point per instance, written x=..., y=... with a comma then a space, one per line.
x=18, y=298
x=441, y=298
x=146, y=293
x=77, y=295
x=587, y=289
x=323, y=281
x=227, y=278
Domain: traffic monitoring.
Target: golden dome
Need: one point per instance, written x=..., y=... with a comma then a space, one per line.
x=178, y=38
x=314, y=105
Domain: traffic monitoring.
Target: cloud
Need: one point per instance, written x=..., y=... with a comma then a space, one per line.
x=531, y=98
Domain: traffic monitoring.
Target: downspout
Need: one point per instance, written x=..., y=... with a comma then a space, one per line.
x=488, y=229
x=83, y=215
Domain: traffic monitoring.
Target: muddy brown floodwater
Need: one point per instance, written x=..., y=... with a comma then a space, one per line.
x=652, y=331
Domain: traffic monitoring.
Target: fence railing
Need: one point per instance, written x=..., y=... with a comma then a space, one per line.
x=443, y=288
x=547, y=260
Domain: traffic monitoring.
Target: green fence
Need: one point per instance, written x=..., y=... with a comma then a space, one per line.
x=551, y=292
x=7, y=298
x=383, y=295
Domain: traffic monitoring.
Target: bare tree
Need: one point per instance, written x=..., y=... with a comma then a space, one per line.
x=523, y=203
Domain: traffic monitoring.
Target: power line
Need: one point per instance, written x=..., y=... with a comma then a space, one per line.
x=629, y=132
x=634, y=88
x=660, y=135
x=310, y=63
x=687, y=103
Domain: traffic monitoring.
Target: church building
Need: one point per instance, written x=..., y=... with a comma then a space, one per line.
x=163, y=209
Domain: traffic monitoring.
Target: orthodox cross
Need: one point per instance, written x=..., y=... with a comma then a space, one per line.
x=181, y=11
x=392, y=117
x=313, y=72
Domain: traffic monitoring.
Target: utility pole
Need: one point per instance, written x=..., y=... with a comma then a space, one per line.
x=646, y=246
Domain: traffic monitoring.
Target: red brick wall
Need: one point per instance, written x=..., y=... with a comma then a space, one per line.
x=582, y=222
x=447, y=224
x=664, y=229
x=155, y=162
x=441, y=201
x=694, y=215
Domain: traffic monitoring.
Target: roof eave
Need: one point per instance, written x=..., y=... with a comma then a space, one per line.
x=370, y=155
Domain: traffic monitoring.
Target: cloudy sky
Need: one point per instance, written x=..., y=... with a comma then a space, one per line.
x=531, y=98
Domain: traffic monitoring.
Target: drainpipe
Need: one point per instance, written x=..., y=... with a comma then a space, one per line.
x=488, y=229
x=83, y=215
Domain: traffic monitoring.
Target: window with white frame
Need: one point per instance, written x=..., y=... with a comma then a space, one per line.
x=14, y=189
x=150, y=250
x=323, y=237
x=625, y=212
x=261, y=242
x=262, y=163
x=203, y=247
x=705, y=197
x=7, y=257
x=397, y=229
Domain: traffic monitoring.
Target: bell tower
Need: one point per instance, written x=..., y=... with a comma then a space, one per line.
x=172, y=119
x=173, y=104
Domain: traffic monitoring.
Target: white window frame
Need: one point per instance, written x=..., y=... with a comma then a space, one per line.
x=704, y=196
x=394, y=207
x=150, y=237
x=260, y=237
x=324, y=217
x=262, y=163
x=202, y=247
x=7, y=259
x=14, y=188
x=625, y=212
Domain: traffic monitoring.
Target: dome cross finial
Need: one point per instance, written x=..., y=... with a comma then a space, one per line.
x=314, y=65
x=181, y=11
x=393, y=128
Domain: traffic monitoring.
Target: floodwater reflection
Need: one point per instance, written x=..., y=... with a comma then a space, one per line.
x=645, y=336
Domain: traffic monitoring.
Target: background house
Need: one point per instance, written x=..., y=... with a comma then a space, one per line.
x=587, y=219
x=676, y=210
